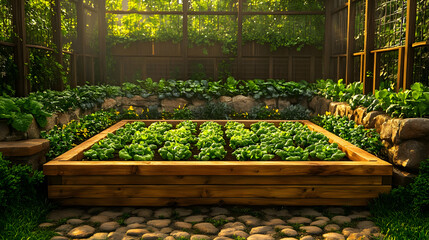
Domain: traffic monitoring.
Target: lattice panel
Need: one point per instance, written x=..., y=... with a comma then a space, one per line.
x=38, y=16
x=6, y=33
x=388, y=69
x=359, y=34
x=339, y=31
x=390, y=22
x=422, y=23
x=68, y=23
x=421, y=65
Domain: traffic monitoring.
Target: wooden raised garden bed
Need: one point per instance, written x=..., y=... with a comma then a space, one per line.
x=160, y=183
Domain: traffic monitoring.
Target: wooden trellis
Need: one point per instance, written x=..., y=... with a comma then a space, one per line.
x=343, y=56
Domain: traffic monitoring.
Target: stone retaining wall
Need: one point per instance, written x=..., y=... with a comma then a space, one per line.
x=239, y=103
x=406, y=140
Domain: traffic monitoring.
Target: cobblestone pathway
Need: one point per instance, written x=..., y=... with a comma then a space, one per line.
x=212, y=223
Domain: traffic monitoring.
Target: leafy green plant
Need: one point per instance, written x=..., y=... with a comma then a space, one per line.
x=18, y=183
x=295, y=112
x=367, y=139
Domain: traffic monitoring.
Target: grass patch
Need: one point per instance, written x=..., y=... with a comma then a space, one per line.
x=21, y=220
x=399, y=222
x=217, y=222
x=122, y=219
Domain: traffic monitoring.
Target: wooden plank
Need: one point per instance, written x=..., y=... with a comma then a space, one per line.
x=22, y=83
x=376, y=77
x=239, y=38
x=410, y=36
x=216, y=191
x=420, y=44
x=387, y=49
x=227, y=180
x=400, y=74
x=56, y=33
x=351, y=14
x=24, y=147
x=368, y=45
x=328, y=39
x=80, y=43
x=102, y=34
x=219, y=168
x=185, y=38
x=76, y=153
x=121, y=201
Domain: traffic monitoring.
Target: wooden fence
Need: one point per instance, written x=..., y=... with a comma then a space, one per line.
x=356, y=47
x=352, y=48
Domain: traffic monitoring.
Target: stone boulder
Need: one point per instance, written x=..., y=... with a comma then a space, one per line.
x=412, y=128
x=170, y=104
x=271, y=102
x=314, y=104
x=242, y=103
x=108, y=103
x=333, y=107
x=359, y=115
x=389, y=130
x=324, y=106
x=283, y=103
x=51, y=122
x=401, y=178
x=410, y=153
x=379, y=121
x=4, y=130
x=370, y=119
x=33, y=131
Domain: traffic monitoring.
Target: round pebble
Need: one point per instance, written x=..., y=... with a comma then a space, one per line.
x=299, y=220
x=109, y=226
x=333, y=236
x=341, y=219
x=332, y=228
x=289, y=232
x=313, y=230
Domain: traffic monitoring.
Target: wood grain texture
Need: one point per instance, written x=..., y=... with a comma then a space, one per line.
x=120, y=201
x=226, y=180
x=24, y=148
x=199, y=168
x=215, y=191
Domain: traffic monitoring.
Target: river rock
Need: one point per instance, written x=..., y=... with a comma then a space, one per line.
x=81, y=232
x=412, y=128
x=206, y=228
x=242, y=103
x=410, y=154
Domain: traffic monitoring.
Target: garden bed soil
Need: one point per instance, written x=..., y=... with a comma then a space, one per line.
x=159, y=183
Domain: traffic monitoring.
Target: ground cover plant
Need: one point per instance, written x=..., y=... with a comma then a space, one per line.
x=348, y=130
x=291, y=141
x=413, y=102
x=22, y=202
x=404, y=213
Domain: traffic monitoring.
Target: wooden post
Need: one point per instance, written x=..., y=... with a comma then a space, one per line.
x=271, y=67
x=351, y=13
x=338, y=68
x=56, y=29
x=410, y=36
x=312, y=69
x=376, y=77
x=368, y=46
x=290, y=68
x=102, y=34
x=80, y=48
x=400, y=78
x=185, y=39
x=328, y=39
x=239, y=38
x=73, y=63
x=21, y=52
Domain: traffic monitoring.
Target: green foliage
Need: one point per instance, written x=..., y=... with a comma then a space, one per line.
x=409, y=103
x=19, y=112
x=18, y=183
x=404, y=213
x=295, y=112
x=64, y=138
x=212, y=110
x=348, y=130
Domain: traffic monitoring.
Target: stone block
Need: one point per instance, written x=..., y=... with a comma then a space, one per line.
x=108, y=103
x=33, y=130
x=370, y=119
x=401, y=178
x=242, y=103
x=412, y=128
x=4, y=130
x=170, y=104
x=379, y=121
x=410, y=153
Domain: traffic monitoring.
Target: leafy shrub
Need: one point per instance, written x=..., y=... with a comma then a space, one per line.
x=213, y=110
x=17, y=182
x=295, y=112
x=264, y=112
x=367, y=139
